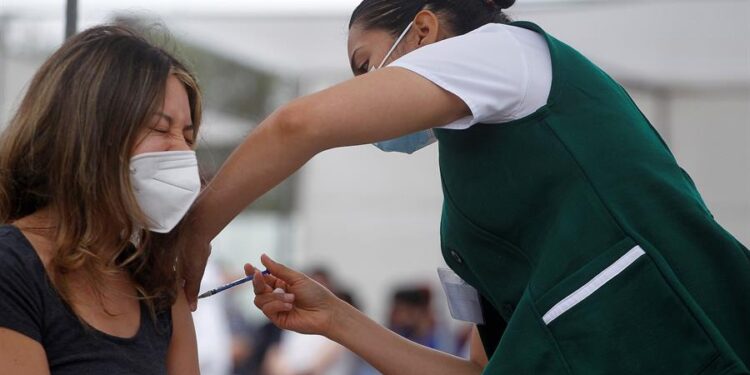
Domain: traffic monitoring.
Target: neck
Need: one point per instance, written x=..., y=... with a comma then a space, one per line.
x=40, y=228
x=42, y=219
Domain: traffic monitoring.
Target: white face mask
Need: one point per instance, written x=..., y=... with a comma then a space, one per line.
x=411, y=142
x=165, y=185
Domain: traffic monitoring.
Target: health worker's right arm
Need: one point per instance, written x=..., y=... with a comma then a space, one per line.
x=377, y=106
x=307, y=307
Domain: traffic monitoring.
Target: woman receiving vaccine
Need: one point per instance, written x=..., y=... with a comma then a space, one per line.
x=590, y=246
x=95, y=166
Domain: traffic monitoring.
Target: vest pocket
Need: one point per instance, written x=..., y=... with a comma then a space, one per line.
x=619, y=315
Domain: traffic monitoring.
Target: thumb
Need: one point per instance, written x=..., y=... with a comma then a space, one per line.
x=281, y=271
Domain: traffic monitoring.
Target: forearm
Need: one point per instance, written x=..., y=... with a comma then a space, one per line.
x=392, y=354
x=270, y=154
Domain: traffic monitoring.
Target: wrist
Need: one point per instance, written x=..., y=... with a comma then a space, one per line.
x=343, y=321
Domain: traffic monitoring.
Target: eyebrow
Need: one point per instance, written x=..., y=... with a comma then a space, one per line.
x=167, y=117
x=170, y=120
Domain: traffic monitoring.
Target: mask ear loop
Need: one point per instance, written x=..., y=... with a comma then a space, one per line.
x=398, y=40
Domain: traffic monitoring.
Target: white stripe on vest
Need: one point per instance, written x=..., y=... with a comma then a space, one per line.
x=590, y=287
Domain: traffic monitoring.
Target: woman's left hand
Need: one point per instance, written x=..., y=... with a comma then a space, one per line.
x=293, y=301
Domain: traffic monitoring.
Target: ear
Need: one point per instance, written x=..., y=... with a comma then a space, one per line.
x=427, y=26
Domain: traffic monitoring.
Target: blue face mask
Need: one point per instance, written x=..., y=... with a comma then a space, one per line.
x=408, y=143
x=411, y=142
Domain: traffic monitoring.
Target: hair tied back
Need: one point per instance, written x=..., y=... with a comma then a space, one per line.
x=502, y=4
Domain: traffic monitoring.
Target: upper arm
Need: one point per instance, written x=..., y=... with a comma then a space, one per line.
x=21, y=313
x=182, y=357
x=494, y=75
x=20, y=354
x=380, y=105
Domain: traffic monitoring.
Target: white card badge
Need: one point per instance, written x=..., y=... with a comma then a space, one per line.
x=463, y=299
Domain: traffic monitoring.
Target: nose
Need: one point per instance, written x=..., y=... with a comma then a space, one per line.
x=177, y=142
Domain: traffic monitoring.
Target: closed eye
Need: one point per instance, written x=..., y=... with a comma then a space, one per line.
x=189, y=134
x=364, y=68
x=160, y=129
x=162, y=124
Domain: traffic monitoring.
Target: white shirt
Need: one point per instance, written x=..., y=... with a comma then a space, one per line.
x=502, y=72
x=300, y=353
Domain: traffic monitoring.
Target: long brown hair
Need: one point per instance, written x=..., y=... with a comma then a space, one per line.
x=67, y=150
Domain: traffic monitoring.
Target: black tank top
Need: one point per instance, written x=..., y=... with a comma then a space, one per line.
x=31, y=306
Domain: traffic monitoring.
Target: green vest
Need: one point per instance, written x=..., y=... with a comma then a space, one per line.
x=591, y=245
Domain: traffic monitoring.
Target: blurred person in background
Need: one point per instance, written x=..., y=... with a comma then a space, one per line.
x=298, y=354
x=251, y=345
x=323, y=276
x=212, y=328
x=412, y=316
x=96, y=166
x=564, y=208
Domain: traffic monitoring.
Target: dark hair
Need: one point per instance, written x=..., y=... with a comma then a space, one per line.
x=462, y=15
x=413, y=296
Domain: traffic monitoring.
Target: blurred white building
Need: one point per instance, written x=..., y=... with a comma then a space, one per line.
x=373, y=218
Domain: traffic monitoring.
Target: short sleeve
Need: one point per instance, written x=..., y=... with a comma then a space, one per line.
x=501, y=72
x=21, y=299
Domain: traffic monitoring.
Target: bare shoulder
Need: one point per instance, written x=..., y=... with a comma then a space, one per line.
x=182, y=357
x=20, y=354
x=27, y=247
